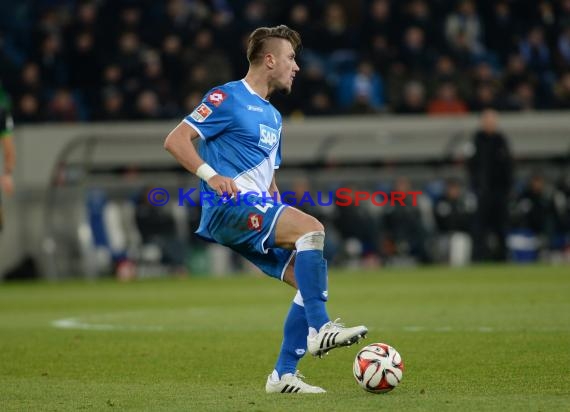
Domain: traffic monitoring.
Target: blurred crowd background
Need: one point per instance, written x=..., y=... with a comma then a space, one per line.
x=75, y=60
x=86, y=61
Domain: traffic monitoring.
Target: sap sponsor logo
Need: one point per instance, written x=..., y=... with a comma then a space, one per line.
x=254, y=108
x=201, y=113
x=268, y=137
x=217, y=97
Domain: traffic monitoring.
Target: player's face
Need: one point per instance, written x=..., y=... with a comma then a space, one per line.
x=285, y=67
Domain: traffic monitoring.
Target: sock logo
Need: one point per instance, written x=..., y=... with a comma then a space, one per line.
x=300, y=352
x=326, y=294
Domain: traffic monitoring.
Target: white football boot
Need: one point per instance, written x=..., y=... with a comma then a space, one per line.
x=333, y=335
x=290, y=383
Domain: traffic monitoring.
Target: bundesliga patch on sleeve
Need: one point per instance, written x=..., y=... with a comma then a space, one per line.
x=217, y=97
x=201, y=113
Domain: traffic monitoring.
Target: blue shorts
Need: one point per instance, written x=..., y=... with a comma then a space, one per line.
x=248, y=227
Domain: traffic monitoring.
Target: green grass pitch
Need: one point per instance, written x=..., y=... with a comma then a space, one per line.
x=489, y=338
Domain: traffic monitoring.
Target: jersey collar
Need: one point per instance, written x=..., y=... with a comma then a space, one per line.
x=248, y=87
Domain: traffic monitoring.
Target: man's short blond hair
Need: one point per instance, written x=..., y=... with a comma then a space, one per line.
x=258, y=38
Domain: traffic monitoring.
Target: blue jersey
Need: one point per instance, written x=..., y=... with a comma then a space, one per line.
x=240, y=138
x=240, y=135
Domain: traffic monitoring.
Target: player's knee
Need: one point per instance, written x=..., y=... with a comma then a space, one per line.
x=314, y=240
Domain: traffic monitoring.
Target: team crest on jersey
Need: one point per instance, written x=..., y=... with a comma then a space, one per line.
x=217, y=97
x=201, y=113
x=254, y=221
x=268, y=137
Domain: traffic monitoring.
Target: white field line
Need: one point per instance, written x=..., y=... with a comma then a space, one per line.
x=74, y=323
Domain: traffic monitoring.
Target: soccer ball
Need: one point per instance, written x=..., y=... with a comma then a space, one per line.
x=378, y=368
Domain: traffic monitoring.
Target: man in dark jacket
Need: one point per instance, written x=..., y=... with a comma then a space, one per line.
x=491, y=171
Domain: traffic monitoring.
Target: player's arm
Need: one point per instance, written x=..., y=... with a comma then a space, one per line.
x=179, y=144
x=274, y=190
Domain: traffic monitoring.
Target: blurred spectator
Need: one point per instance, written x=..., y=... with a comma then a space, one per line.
x=485, y=97
x=336, y=36
x=483, y=73
x=402, y=231
x=129, y=54
x=299, y=18
x=204, y=53
x=28, y=109
x=417, y=13
x=83, y=61
x=454, y=210
x=381, y=53
x=490, y=170
x=563, y=14
x=88, y=45
x=516, y=73
x=414, y=101
x=381, y=21
x=113, y=106
x=463, y=29
x=533, y=208
x=254, y=14
x=361, y=91
x=453, y=214
x=148, y=106
x=63, y=107
x=153, y=78
x=535, y=52
x=446, y=72
x=51, y=59
x=563, y=49
x=523, y=98
x=447, y=101
x=501, y=29
x=313, y=94
x=353, y=224
x=7, y=64
x=532, y=220
x=546, y=19
x=171, y=56
x=414, y=52
x=562, y=213
x=562, y=92
x=156, y=226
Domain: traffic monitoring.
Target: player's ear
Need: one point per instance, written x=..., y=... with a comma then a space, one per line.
x=270, y=60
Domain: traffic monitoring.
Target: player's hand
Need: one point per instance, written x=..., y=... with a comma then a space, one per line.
x=223, y=184
x=7, y=184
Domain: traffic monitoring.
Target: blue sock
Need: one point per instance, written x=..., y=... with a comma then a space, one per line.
x=294, y=338
x=311, y=276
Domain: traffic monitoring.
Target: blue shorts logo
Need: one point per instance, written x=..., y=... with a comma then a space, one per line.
x=268, y=137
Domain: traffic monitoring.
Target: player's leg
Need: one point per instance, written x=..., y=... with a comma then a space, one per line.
x=278, y=263
x=306, y=234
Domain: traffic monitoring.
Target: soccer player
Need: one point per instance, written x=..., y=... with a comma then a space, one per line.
x=6, y=127
x=238, y=152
